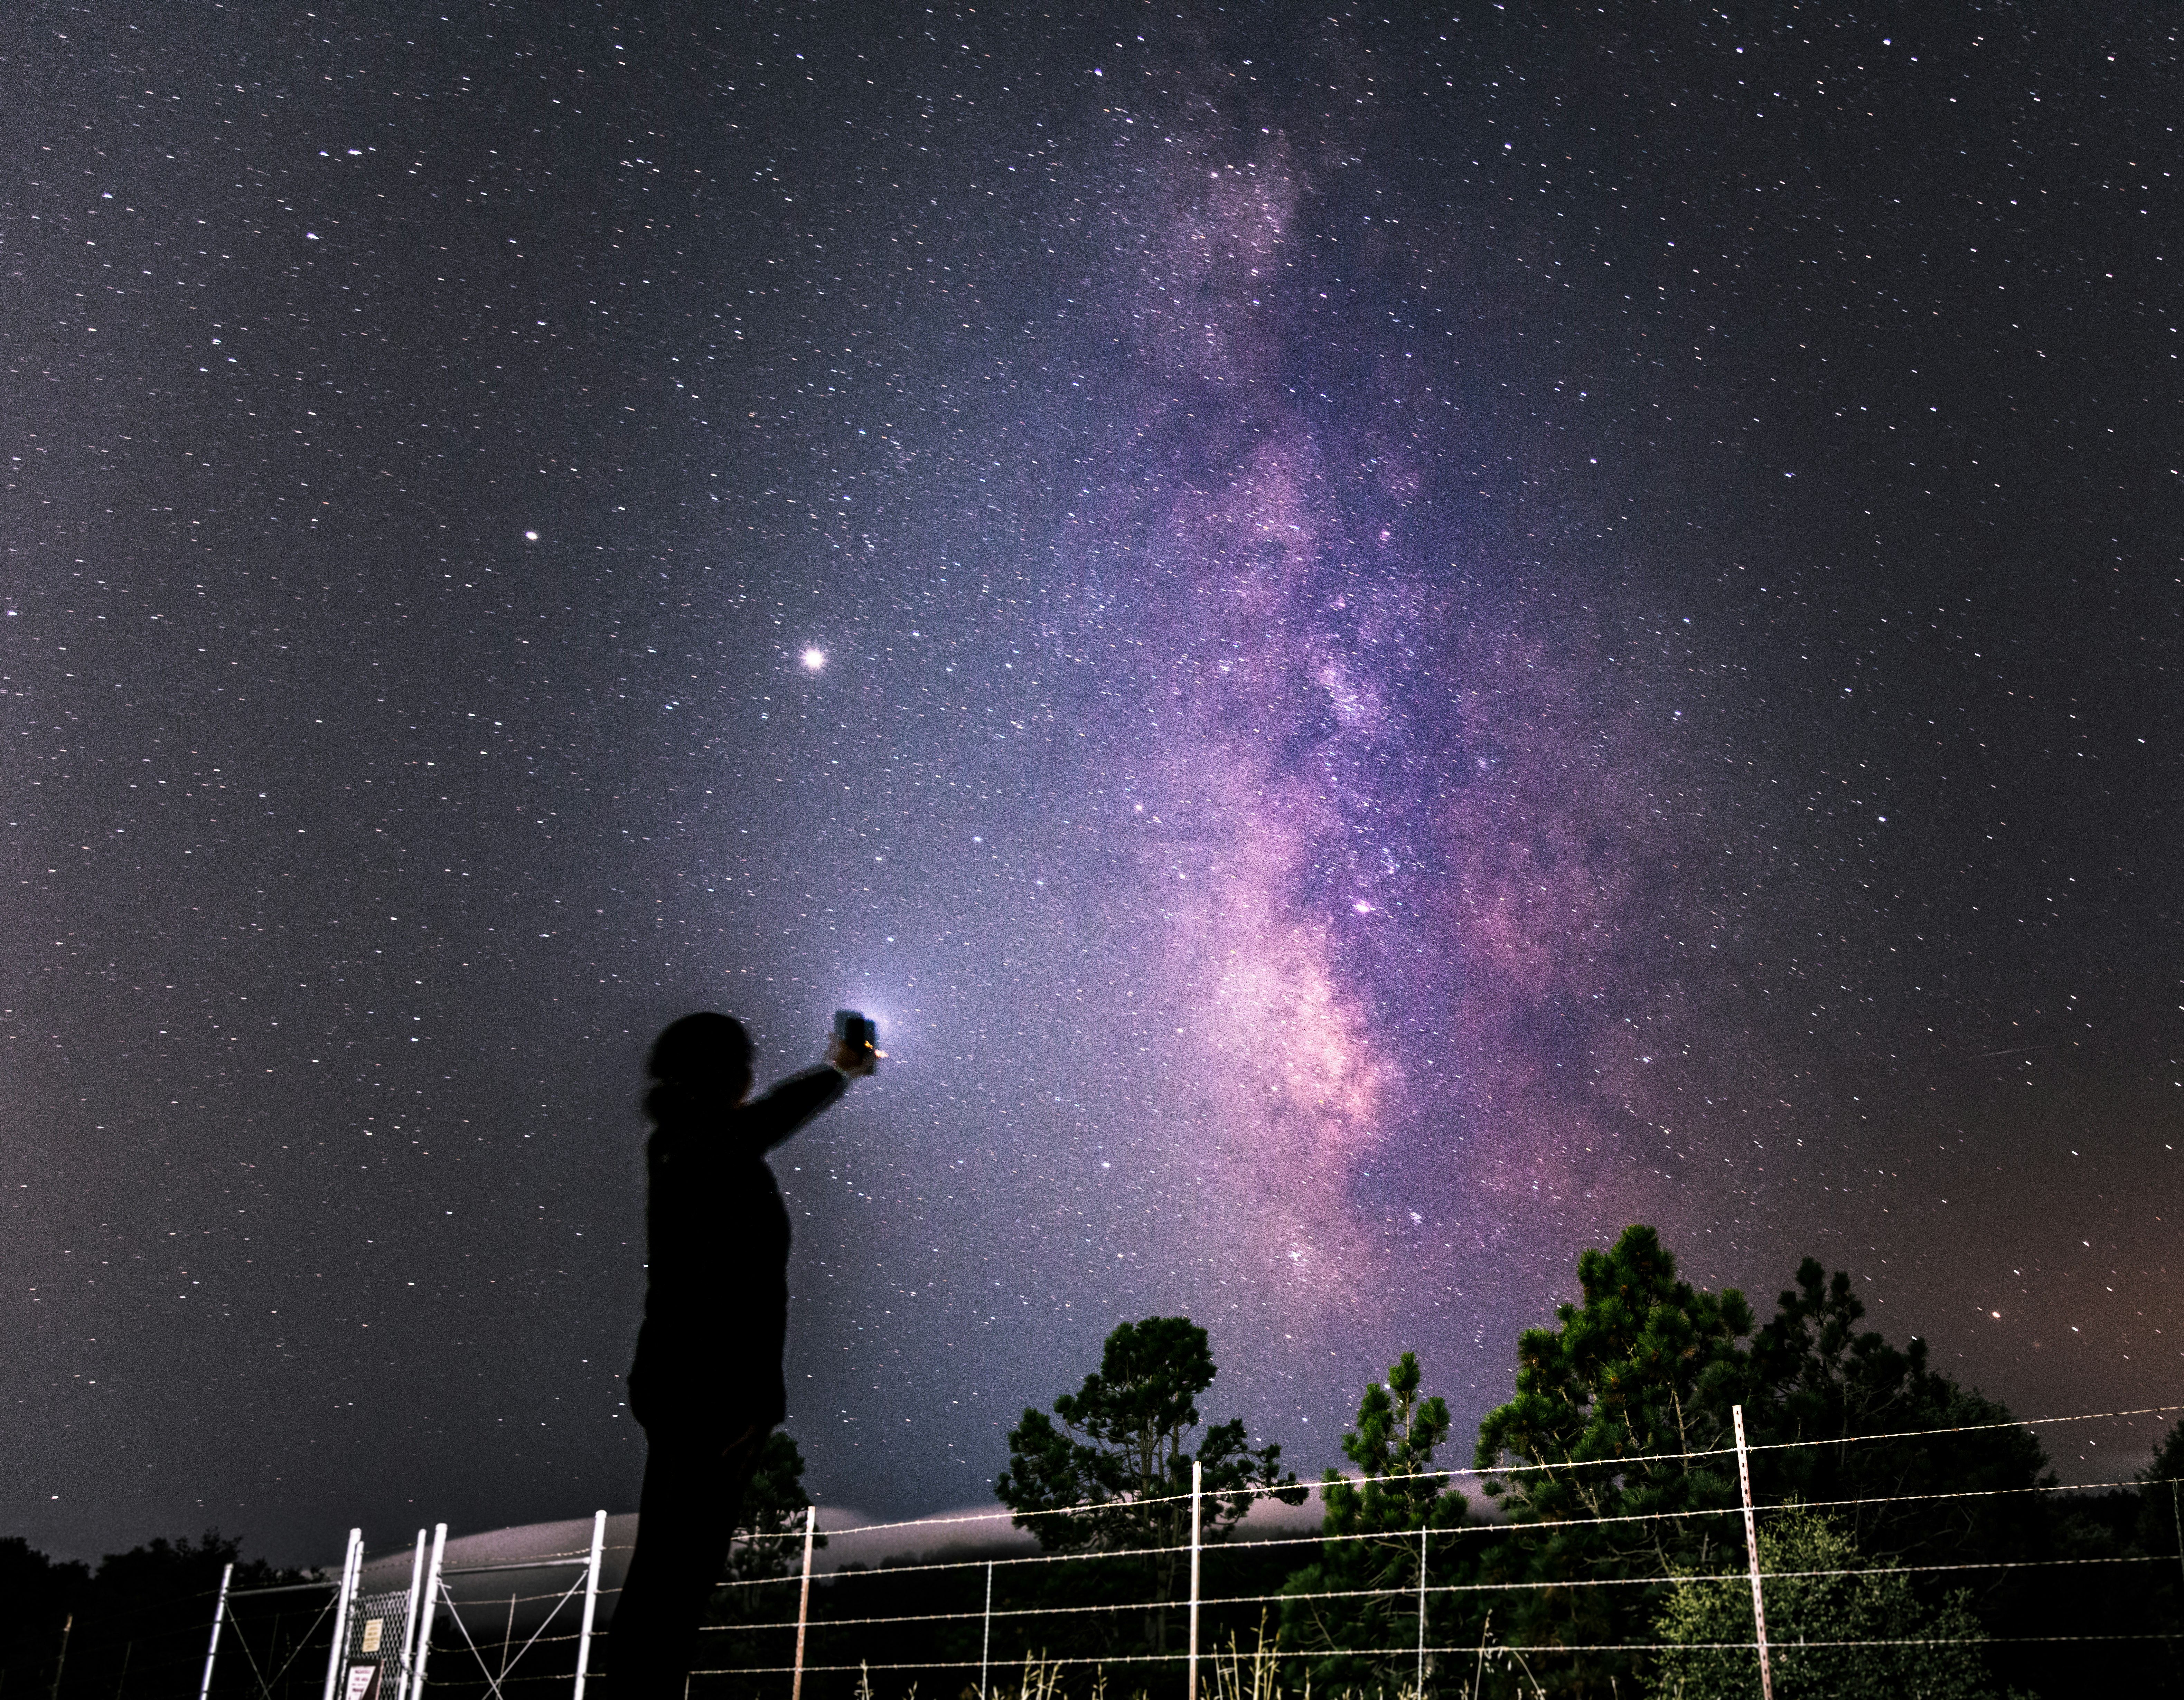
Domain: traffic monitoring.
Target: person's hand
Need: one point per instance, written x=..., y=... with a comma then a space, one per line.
x=856, y=1061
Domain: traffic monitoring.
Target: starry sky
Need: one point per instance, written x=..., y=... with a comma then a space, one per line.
x=1382, y=643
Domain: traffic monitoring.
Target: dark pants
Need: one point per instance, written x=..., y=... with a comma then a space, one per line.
x=694, y=1493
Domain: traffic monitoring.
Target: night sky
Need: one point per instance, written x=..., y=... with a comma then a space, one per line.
x=1381, y=647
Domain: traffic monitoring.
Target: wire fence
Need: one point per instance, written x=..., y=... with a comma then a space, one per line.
x=1234, y=1615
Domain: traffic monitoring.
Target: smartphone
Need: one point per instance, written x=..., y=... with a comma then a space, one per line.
x=857, y=1029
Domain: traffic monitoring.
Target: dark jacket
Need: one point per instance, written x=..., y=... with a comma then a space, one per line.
x=716, y=1248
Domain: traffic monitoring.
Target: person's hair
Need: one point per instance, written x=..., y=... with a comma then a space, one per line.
x=705, y=1048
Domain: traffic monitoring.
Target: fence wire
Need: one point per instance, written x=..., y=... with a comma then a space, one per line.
x=1422, y=1593
x=1416, y=1597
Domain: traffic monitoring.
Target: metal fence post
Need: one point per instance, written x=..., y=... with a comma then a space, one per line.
x=1197, y=1483
x=60, y=1662
x=432, y=1587
x=1752, y=1546
x=1422, y=1612
x=352, y=1562
x=986, y=1633
x=219, y=1613
x=591, y=1601
x=409, y=1619
x=803, y=1602
x=2177, y=1505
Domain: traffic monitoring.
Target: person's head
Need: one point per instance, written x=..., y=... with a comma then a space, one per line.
x=706, y=1053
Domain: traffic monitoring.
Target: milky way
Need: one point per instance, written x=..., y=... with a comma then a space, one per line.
x=1400, y=874
x=1380, y=646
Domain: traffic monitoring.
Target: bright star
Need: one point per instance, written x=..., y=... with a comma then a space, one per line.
x=814, y=659
x=530, y=536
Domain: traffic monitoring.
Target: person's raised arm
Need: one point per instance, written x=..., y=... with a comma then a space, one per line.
x=794, y=1101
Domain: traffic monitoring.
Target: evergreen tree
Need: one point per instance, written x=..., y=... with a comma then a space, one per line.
x=770, y=1530
x=1120, y=1458
x=768, y=1548
x=1620, y=1468
x=769, y=1543
x=1610, y=1407
x=134, y=1625
x=1376, y=1534
x=1911, y=1649
x=1816, y=1376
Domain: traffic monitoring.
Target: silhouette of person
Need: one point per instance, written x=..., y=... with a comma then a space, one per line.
x=706, y=1384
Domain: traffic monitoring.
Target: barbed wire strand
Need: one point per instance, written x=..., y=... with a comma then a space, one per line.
x=276, y=1588
x=1262, y=1491
x=1486, y=1528
x=1491, y=1651
x=1410, y=1592
x=1268, y=1491
x=1452, y=1531
x=1017, y=1518
x=1407, y=1593
x=522, y=1599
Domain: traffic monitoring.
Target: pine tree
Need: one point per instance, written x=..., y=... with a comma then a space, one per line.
x=1363, y=1592
x=1618, y=1469
x=1817, y=1376
x=770, y=1528
x=769, y=1544
x=1120, y=1458
x=1610, y=1407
